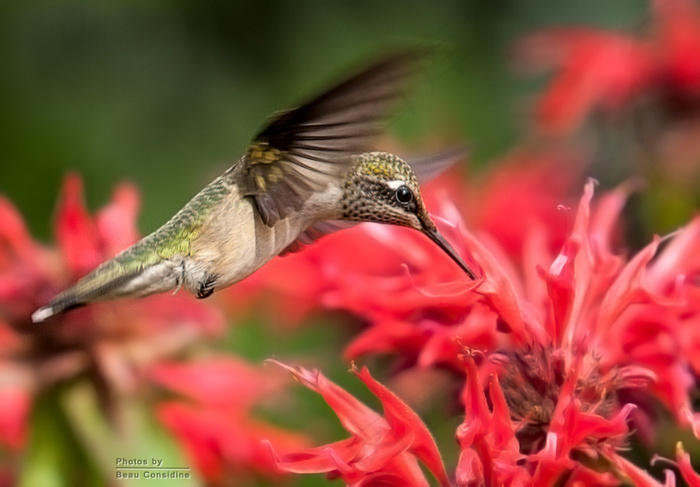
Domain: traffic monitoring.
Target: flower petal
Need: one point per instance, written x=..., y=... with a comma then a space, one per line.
x=75, y=230
x=405, y=422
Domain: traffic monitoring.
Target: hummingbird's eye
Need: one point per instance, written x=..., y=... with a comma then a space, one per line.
x=404, y=195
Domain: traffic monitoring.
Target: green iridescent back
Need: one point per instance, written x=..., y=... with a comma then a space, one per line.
x=176, y=236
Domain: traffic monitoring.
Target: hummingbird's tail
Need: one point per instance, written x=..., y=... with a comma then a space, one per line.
x=119, y=277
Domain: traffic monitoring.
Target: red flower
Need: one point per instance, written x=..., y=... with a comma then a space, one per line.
x=596, y=70
x=14, y=410
x=689, y=475
x=678, y=43
x=489, y=448
x=518, y=196
x=596, y=339
x=590, y=338
x=216, y=427
x=492, y=455
x=381, y=451
x=110, y=343
x=608, y=70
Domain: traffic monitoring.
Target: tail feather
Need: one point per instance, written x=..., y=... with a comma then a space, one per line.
x=112, y=280
x=91, y=288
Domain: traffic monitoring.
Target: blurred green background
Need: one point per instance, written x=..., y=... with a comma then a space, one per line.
x=168, y=93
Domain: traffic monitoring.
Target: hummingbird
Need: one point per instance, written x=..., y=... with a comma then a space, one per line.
x=307, y=173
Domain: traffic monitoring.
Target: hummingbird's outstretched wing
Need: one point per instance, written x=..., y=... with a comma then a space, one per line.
x=301, y=150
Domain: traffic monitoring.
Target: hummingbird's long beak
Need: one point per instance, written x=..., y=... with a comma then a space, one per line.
x=434, y=235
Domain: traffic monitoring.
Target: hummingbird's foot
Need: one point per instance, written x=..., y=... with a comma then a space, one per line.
x=207, y=287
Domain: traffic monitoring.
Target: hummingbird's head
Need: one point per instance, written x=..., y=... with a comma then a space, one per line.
x=383, y=189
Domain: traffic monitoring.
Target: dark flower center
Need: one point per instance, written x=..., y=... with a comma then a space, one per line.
x=532, y=380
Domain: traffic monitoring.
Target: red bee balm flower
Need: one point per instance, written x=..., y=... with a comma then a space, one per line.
x=609, y=70
x=216, y=426
x=576, y=345
x=110, y=344
x=381, y=451
x=593, y=340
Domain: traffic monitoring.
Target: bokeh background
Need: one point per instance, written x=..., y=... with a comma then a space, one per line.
x=167, y=94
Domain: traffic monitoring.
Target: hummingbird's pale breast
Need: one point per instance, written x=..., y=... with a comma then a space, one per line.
x=234, y=242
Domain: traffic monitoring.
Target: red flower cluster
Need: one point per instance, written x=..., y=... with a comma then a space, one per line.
x=381, y=451
x=608, y=70
x=109, y=343
x=588, y=337
x=589, y=348
x=216, y=425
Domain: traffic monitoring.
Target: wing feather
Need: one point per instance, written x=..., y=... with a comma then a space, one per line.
x=301, y=150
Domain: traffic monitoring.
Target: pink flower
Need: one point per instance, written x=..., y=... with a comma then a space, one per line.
x=383, y=450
